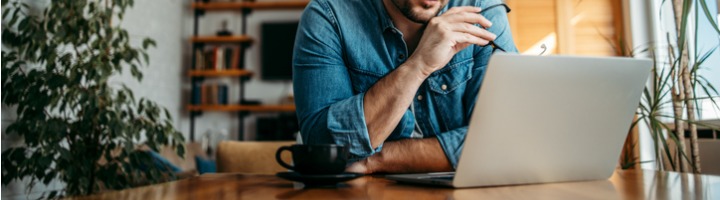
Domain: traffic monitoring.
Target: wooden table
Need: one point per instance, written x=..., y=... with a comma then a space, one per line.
x=622, y=185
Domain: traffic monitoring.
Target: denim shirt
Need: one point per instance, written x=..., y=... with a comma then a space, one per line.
x=343, y=47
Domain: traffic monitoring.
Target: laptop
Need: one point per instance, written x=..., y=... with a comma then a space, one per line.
x=542, y=119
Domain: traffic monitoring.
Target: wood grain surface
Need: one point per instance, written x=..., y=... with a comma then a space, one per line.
x=632, y=184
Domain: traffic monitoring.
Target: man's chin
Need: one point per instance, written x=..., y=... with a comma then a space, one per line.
x=420, y=12
x=421, y=18
x=423, y=15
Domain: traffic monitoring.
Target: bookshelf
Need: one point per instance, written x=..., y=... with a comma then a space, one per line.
x=248, y=108
x=216, y=73
x=204, y=66
x=249, y=5
x=222, y=39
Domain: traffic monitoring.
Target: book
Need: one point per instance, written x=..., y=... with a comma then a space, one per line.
x=208, y=60
x=203, y=95
x=213, y=94
x=228, y=58
x=199, y=62
x=196, y=93
x=219, y=58
x=235, y=61
x=223, y=94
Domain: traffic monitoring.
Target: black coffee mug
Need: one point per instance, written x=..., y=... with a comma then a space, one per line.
x=316, y=158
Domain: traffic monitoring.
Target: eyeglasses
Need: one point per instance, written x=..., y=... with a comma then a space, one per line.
x=495, y=47
x=492, y=44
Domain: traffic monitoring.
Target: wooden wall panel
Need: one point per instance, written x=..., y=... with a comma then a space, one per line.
x=594, y=27
x=578, y=27
x=533, y=23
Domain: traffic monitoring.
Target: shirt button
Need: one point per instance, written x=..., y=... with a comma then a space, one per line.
x=419, y=97
x=402, y=56
x=443, y=87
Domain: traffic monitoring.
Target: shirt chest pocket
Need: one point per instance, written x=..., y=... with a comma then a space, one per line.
x=451, y=77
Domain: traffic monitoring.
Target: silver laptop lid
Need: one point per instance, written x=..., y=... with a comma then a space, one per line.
x=550, y=119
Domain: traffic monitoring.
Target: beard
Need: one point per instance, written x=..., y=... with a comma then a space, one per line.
x=418, y=13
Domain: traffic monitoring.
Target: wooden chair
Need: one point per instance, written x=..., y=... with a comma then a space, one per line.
x=251, y=157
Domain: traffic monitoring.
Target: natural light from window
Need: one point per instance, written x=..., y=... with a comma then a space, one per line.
x=711, y=68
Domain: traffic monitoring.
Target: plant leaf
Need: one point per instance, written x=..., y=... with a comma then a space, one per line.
x=709, y=16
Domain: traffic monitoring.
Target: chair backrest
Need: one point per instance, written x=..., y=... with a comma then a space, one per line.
x=251, y=157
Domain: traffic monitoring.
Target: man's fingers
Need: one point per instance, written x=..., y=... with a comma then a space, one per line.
x=466, y=38
x=473, y=30
x=462, y=9
x=469, y=17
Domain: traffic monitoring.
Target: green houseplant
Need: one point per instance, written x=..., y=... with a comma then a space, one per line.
x=675, y=78
x=75, y=126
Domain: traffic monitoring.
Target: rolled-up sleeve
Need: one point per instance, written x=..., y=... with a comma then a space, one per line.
x=452, y=142
x=329, y=112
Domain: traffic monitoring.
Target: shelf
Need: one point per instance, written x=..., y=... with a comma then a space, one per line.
x=250, y=5
x=220, y=39
x=236, y=108
x=230, y=72
x=242, y=41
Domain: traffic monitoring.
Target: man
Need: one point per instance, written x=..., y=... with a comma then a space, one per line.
x=395, y=81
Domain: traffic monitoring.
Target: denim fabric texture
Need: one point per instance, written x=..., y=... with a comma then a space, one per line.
x=343, y=47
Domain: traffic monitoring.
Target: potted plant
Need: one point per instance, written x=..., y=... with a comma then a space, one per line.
x=75, y=126
x=675, y=78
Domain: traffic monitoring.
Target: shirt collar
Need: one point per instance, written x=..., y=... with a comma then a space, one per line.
x=385, y=21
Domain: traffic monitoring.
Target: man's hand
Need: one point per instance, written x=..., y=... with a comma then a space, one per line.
x=449, y=33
